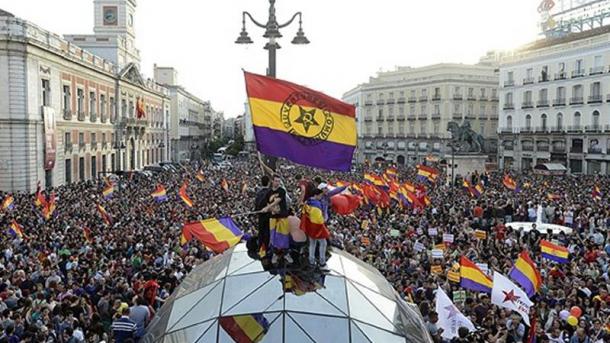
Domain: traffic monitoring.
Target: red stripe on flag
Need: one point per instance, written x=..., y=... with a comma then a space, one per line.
x=266, y=88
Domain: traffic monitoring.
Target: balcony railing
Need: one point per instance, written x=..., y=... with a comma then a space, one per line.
x=93, y=145
x=93, y=117
x=542, y=129
x=494, y=98
x=368, y=118
x=557, y=129
x=457, y=115
x=508, y=106
x=526, y=130
x=422, y=116
x=390, y=117
x=103, y=118
x=483, y=98
x=471, y=97
x=411, y=117
x=380, y=102
x=544, y=78
x=595, y=99
x=423, y=98
x=81, y=116
x=436, y=116
x=559, y=102
x=412, y=99
x=400, y=117
x=379, y=118
x=578, y=73
x=542, y=103
x=67, y=114
x=68, y=146
x=527, y=104
x=561, y=75
x=401, y=100
x=576, y=101
x=596, y=70
x=436, y=97
x=506, y=130
x=458, y=97
x=509, y=83
x=528, y=80
x=594, y=128
x=390, y=101
x=575, y=128
x=82, y=145
x=366, y=103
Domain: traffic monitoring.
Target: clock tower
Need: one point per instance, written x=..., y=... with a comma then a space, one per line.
x=114, y=32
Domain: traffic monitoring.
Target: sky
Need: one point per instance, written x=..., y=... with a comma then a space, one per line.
x=351, y=40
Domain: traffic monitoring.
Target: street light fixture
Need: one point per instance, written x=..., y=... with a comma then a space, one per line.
x=272, y=32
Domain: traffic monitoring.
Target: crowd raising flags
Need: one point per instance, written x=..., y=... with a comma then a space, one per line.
x=510, y=183
x=160, y=195
x=312, y=129
x=182, y=194
x=16, y=230
x=8, y=204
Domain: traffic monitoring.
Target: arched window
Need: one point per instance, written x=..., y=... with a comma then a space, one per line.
x=577, y=120
x=543, y=121
x=509, y=122
x=559, y=121
x=508, y=98
x=528, y=122
x=595, y=119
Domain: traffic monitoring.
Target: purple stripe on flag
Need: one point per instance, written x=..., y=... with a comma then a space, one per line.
x=554, y=258
x=523, y=280
x=474, y=286
x=310, y=152
x=230, y=225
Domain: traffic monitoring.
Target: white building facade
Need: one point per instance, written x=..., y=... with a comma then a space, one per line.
x=553, y=106
x=68, y=115
x=402, y=115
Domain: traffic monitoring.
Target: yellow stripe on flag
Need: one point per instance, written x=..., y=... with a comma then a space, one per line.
x=270, y=116
x=221, y=232
x=436, y=269
x=453, y=276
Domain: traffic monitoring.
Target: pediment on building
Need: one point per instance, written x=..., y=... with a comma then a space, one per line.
x=132, y=74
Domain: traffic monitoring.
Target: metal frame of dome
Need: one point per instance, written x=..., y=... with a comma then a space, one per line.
x=356, y=304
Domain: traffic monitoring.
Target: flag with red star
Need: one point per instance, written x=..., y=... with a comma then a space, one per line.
x=508, y=295
x=450, y=319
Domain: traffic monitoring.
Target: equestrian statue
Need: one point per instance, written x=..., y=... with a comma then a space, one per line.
x=469, y=140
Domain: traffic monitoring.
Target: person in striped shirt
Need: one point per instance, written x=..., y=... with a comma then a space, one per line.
x=123, y=328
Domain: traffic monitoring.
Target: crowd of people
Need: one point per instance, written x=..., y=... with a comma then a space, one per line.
x=75, y=278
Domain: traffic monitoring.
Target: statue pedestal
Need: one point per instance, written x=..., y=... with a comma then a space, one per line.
x=467, y=163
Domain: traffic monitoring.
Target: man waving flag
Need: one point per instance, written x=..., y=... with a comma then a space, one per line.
x=508, y=295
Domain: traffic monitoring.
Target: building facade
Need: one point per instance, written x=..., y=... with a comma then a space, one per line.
x=402, y=115
x=68, y=115
x=192, y=122
x=552, y=104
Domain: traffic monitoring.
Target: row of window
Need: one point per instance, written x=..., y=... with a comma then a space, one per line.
x=545, y=71
x=457, y=108
x=106, y=104
x=436, y=94
x=559, y=122
x=105, y=138
x=595, y=95
x=423, y=129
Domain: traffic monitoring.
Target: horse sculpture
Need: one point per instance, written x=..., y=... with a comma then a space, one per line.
x=469, y=140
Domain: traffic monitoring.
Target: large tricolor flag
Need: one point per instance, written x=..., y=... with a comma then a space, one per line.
x=216, y=234
x=554, y=252
x=508, y=295
x=301, y=124
x=108, y=191
x=49, y=206
x=450, y=319
x=473, y=278
x=525, y=273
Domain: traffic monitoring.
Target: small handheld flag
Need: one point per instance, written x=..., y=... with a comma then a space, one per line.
x=160, y=195
x=200, y=175
x=225, y=185
x=182, y=193
x=16, y=230
x=8, y=204
x=554, y=252
x=106, y=218
x=525, y=273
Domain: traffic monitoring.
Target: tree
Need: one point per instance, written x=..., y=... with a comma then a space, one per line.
x=236, y=147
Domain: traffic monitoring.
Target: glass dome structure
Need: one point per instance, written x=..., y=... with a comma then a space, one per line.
x=232, y=298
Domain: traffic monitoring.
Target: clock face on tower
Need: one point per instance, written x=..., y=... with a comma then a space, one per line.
x=110, y=15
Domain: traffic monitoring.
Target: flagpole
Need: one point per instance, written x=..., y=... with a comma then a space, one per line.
x=245, y=214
